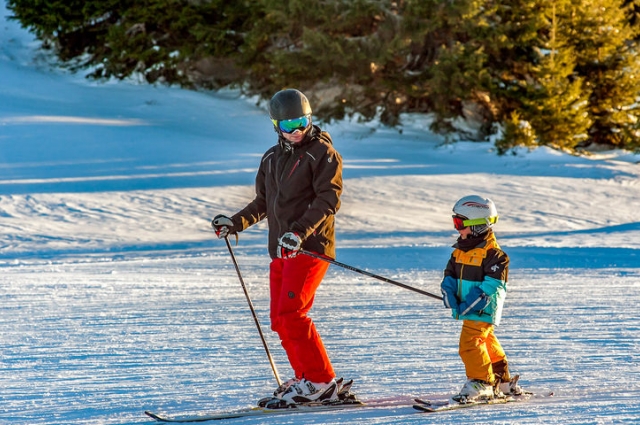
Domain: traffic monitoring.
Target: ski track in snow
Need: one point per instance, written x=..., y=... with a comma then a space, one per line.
x=105, y=340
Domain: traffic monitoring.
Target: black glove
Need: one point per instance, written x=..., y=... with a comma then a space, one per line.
x=288, y=245
x=222, y=225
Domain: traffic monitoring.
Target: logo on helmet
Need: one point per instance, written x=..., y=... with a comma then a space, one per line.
x=476, y=205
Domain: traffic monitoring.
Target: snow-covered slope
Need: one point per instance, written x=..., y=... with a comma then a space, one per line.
x=116, y=296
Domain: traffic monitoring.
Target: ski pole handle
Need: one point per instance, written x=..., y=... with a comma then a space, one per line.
x=366, y=273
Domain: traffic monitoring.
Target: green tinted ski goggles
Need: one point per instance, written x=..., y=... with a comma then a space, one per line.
x=460, y=222
x=289, y=126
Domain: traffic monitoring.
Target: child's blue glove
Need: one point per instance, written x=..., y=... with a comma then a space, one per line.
x=449, y=287
x=476, y=300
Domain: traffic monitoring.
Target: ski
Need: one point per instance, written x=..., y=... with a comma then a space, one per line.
x=453, y=405
x=433, y=403
x=396, y=402
x=445, y=405
x=253, y=411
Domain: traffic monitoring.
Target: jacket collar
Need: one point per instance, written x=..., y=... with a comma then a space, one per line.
x=291, y=147
x=473, y=242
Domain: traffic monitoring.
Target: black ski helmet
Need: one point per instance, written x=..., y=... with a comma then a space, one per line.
x=288, y=104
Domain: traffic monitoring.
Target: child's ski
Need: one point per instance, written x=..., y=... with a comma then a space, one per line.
x=442, y=405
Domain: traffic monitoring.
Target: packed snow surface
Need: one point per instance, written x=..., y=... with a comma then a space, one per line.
x=117, y=298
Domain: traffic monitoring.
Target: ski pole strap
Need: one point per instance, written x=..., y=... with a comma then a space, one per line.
x=366, y=273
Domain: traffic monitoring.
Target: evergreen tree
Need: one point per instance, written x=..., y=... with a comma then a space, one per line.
x=557, y=108
x=516, y=132
x=552, y=67
x=73, y=27
x=160, y=39
x=494, y=57
x=607, y=58
x=632, y=7
x=335, y=50
x=446, y=65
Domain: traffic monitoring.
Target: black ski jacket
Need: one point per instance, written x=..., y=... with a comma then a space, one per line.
x=298, y=188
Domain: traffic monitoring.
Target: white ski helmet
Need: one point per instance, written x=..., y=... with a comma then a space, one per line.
x=481, y=213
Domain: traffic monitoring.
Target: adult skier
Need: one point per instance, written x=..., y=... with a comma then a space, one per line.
x=298, y=188
x=474, y=287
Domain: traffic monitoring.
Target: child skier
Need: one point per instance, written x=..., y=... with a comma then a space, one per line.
x=474, y=287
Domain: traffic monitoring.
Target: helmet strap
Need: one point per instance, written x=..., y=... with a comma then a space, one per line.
x=286, y=145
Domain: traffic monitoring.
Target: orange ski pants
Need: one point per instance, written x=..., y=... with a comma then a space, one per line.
x=293, y=284
x=482, y=354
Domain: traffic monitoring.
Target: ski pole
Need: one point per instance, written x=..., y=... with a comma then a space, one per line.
x=253, y=312
x=366, y=273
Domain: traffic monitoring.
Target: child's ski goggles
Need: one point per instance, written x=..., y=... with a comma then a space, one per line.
x=460, y=222
x=289, y=126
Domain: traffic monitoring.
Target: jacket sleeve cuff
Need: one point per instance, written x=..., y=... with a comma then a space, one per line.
x=297, y=228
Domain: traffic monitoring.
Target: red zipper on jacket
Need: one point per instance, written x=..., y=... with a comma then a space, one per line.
x=295, y=166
